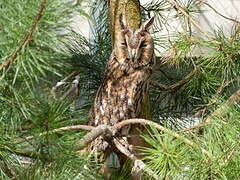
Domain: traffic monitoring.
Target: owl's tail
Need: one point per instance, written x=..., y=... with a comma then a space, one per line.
x=114, y=162
x=111, y=166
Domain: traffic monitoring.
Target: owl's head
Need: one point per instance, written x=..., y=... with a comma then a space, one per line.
x=134, y=45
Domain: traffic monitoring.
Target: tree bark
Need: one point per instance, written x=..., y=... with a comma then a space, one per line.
x=130, y=9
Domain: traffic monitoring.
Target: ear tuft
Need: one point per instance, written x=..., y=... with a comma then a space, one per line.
x=148, y=24
x=122, y=22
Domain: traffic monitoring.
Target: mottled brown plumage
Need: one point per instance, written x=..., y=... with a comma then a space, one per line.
x=126, y=79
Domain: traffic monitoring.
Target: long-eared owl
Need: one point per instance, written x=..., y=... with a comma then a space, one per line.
x=126, y=78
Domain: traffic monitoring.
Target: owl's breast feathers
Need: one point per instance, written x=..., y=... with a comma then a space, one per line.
x=119, y=96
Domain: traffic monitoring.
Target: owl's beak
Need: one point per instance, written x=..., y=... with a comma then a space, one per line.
x=132, y=54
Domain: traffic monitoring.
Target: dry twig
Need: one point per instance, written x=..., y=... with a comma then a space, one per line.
x=74, y=88
x=91, y=136
x=175, y=87
x=76, y=3
x=221, y=111
x=220, y=14
x=75, y=127
x=183, y=11
x=26, y=162
x=62, y=82
x=139, y=165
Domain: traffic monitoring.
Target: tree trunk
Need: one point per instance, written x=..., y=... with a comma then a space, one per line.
x=130, y=9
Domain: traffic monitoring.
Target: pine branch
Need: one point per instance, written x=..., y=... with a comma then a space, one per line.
x=62, y=82
x=175, y=87
x=221, y=111
x=183, y=11
x=112, y=130
x=139, y=165
x=91, y=136
x=26, y=39
x=75, y=127
x=119, y=125
x=28, y=153
x=201, y=110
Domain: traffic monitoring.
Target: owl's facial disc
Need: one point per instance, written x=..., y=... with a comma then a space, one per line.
x=134, y=39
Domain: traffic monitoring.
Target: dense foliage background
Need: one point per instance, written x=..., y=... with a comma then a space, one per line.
x=38, y=49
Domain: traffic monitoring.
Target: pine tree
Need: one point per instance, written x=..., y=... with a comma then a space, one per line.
x=40, y=122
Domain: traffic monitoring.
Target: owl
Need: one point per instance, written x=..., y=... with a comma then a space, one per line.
x=125, y=82
x=126, y=78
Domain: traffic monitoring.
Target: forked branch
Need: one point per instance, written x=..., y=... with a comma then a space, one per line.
x=92, y=135
x=139, y=165
x=112, y=130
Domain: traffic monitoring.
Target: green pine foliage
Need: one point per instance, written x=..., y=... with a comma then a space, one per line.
x=29, y=114
x=173, y=158
x=216, y=79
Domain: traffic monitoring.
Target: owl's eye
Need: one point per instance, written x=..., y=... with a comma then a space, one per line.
x=143, y=33
x=124, y=43
x=143, y=44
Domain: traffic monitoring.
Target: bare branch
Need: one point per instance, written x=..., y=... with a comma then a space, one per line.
x=75, y=127
x=183, y=11
x=221, y=111
x=112, y=130
x=26, y=39
x=26, y=162
x=119, y=125
x=139, y=165
x=91, y=136
x=74, y=88
x=178, y=85
x=62, y=82
x=185, y=80
x=159, y=85
x=197, y=127
x=76, y=3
